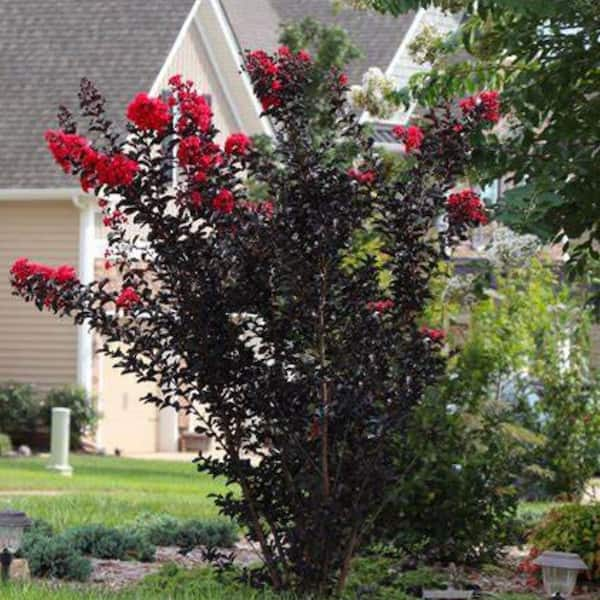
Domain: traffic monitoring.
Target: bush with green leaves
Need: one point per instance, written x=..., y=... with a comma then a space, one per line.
x=19, y=409
x=84, y=416
x=571, y=528
x=165, y=530
x=5, y=444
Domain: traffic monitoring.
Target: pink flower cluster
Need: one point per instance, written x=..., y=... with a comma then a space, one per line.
x=486, y=105
x=466, y=207
x=73, y=151
x=276, y=76
x=149, y=113
x=412, y=136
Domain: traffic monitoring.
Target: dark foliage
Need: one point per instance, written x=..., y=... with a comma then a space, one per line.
x=249, y=313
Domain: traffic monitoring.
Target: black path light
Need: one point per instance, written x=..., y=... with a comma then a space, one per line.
x=12, y=526
x=560, y=571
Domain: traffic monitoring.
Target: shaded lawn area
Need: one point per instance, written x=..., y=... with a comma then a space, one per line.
x=106, y=490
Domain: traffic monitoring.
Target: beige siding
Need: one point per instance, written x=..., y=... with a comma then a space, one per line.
x=36, y=347
x=127, y=423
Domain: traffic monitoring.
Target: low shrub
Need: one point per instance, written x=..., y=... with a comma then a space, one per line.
x=107, y=542
x=54, y=557
x=571, y=528
x=165, y=530
x=5, y=444
x=19, y=408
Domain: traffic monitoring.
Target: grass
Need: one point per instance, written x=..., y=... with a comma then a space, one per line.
x=106, y=490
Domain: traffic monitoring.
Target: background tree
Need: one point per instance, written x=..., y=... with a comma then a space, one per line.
x=299, y=368
x=544, y=57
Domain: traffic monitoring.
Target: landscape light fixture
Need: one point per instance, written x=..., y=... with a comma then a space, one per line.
x=560, y=570
x=12, y=526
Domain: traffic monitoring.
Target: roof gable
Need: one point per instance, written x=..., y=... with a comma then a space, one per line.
x=47, y=47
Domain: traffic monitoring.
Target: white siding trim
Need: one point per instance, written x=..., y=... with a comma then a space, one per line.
x=215, y=66
x=178, y=41
x=235, y=54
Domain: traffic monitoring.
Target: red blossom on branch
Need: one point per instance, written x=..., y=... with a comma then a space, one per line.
x=364, y=177
x=412, y=136
x=380, y=306
x=238, y=144
x=434, y=335
x=149, y=113
x=486, y=105
x=194, y=110
x=466, y=207
x=127, y=298
x=224, y=202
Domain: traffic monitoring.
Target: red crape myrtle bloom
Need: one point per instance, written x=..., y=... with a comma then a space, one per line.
x=487, y=103
x=127, y=298
x=435, y=335
x=115, y=170
x=224, y=202
x=194, y=110
x=238, y=144
x=68, y=148
x=149, y=113
x=466, y=207
x=380, y=306
x=364, y=177
x=412, y=136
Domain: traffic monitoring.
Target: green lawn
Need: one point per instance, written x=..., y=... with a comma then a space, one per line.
x=106, y=490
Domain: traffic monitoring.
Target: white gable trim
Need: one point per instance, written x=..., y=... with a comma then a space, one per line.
x=215, y=66
x=154, y=90
x=235, y=50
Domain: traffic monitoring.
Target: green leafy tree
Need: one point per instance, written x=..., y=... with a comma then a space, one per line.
x=545, y=58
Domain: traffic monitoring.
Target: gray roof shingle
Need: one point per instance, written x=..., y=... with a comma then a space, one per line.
x=256, y=24
x=47, y=47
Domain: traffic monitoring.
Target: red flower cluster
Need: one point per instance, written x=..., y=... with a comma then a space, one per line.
x=412, y=136
x=532, y=571
x=265, y=207
x=74, y=151
x=68, y=149
x=486, y=103
x=127, y=298
x=364, y=177
x=380, y=306
x=113, y=219
x=275, y=76
x=194, y=110
x=434, y=335
x=23, y=268
x=149, y=113
x=224, y=202
x=237, y=143
x=466, y=207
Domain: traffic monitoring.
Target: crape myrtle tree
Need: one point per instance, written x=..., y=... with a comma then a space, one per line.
x=245, y=313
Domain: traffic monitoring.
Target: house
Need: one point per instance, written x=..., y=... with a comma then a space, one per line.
x=126, y=46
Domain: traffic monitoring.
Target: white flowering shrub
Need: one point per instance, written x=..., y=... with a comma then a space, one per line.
x=375, y=95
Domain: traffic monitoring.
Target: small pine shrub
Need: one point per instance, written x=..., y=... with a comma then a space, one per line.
x=165, y=530
x=571, y=528
x=107, y=542
x=5, y=444
x=54, y=557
